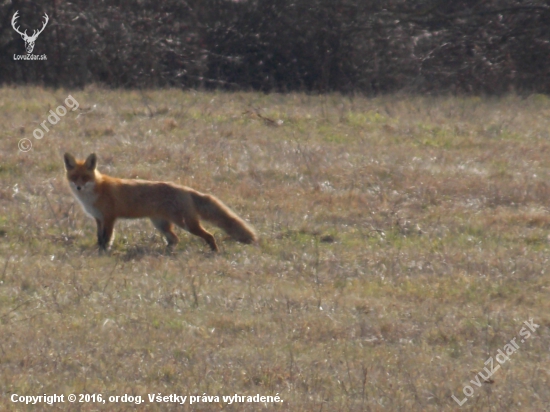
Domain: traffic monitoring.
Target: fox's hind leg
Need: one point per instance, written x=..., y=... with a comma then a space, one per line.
x=194, y=226
x=165, y=227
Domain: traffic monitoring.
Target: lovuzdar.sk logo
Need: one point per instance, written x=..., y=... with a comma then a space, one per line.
x=29, y=40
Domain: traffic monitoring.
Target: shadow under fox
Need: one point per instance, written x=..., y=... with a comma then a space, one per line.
x=108, y=198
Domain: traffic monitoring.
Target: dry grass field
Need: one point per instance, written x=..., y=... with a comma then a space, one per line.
x=404, y=242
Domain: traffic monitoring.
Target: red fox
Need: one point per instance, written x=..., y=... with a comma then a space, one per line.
x=107, y=198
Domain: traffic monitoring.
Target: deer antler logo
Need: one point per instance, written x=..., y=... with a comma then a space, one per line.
x=29, y=40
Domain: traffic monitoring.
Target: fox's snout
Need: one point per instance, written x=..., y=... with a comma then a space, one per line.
x=79, y=186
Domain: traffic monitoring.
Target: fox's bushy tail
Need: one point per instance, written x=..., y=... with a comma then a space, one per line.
x=212, y=209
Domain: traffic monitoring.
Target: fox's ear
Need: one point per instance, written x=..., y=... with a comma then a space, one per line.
x=91, y=162
x=70, y=161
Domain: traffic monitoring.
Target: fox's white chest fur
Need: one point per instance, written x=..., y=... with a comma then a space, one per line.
x=87, y=198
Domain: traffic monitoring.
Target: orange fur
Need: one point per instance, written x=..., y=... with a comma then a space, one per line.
x=108, y=198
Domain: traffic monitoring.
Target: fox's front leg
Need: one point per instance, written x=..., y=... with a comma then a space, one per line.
x=104, y=232
x=100, y=242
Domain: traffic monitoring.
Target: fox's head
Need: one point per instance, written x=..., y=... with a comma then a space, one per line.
x=81, y=174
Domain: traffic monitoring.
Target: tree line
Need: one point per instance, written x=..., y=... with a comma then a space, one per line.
x=365, y=46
